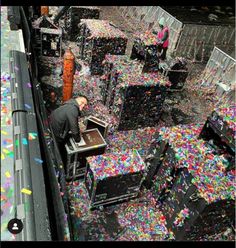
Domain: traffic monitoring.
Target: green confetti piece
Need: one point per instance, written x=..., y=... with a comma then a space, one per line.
x=17, y=142
x=10, y=193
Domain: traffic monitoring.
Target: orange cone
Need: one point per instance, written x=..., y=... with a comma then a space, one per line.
x=68, y=74
x=44, y=10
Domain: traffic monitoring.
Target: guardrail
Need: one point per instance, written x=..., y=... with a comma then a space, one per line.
x=30, y=189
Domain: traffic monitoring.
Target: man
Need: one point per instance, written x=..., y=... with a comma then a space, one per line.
x=163, y=38
x=65, y=119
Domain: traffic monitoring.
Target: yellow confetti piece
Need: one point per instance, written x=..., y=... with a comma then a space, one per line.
x=6, y=151
x=2, y=156
x=4, y=132
x=2, y=189
x=7, y=174
x=26, y=191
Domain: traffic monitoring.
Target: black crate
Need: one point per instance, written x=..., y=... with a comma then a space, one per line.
x=145, y=49
x=195, y=182
x=138, y=100
x=73, y=17
x=113, y=66
x=176, y=71
x=134, y=97
x=200, y=217
x=51, y=40
x=154, y=160
x=93, y=122
x=114, y=177
x=76, y=162
x=219, y=128
x=100, y=38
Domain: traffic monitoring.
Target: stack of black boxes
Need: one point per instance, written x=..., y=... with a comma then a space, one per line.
x=145, y=49
x=135, y=99
x=73, y=17
x=100, y=38
x=193, y=185
x=138, y=100
x=113, y=66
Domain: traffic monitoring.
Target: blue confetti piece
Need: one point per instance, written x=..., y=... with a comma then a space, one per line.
x=38, y=160
x=27, y=106
x=24, y=141
x=11, y=155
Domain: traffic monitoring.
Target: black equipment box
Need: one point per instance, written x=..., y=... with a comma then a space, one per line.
x=145, y=49
x=73, y=17
x=154, y=160
x=189, y=215
x=100, y=38
x=113, y=66
x=76, y=162
x=220, y=127
x=42, y=22
x=51, y=42
x=138, y=100
x=93, y=122
x=114, y=177
x=192, y=185
x=176, y=71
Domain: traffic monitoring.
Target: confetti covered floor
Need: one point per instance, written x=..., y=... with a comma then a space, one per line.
x=140, y=218
x=135, y=220
x=7, y=174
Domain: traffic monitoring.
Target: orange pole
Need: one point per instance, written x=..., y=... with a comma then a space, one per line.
x=68, y=74
x=45, y=10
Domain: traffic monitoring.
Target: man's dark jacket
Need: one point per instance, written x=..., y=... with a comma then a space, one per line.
x=65, y=119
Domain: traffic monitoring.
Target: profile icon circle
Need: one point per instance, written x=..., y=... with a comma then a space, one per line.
x=15, y=226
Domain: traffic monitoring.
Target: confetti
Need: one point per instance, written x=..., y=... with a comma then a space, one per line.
x=26, y=191
x=39, y=161
x=2, y=156
x=27, y=106
x=115, y=164
x=32, y=136
x=5, y=151
x=2, y=189
x=7, y=174
x=4, y=132
x=24, y=141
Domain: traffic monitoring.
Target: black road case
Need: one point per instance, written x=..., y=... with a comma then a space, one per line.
x=220, y=126
x=189, y=215
x=76, y=162
x=100, y=38
x=51, y=42
x=114, y=177
x=73, y=17
x=176, y=71
x=145, y=49
x=93, y=122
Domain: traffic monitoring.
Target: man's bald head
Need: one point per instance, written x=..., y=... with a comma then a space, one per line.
x=82, y=101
